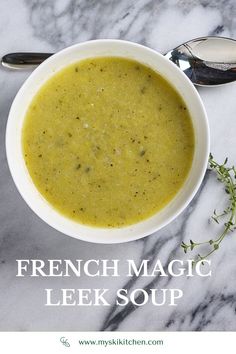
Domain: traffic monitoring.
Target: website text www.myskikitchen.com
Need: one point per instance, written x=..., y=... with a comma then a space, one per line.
x=118, y=341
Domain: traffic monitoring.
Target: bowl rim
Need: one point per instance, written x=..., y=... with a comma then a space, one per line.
x=115, y=239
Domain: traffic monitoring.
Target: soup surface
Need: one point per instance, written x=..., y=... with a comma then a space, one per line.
x=108, y=142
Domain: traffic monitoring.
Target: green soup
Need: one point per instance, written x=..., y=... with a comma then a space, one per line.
x=108, y=142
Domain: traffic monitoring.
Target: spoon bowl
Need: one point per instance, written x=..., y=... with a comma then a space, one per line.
x=207, y=61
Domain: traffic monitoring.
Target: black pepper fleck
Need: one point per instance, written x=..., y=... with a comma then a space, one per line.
x=143, y=90
x=142, y=152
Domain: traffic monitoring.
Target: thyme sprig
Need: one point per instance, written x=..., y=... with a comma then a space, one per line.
x=227, y=176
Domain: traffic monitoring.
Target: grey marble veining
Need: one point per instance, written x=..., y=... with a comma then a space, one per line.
x=208, y=304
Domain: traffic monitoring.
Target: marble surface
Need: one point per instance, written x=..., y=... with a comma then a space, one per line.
x=208, y=303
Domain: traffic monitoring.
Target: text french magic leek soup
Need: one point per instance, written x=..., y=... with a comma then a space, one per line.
x=108, y=142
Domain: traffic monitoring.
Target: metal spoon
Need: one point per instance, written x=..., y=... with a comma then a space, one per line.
x=207, y=61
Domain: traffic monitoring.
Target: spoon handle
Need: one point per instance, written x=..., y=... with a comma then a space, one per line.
x=23, y=60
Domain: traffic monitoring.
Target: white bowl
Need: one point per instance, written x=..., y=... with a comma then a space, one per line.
x=98, y=48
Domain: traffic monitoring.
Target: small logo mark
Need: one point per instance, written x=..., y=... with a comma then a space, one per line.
x=65, y=342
